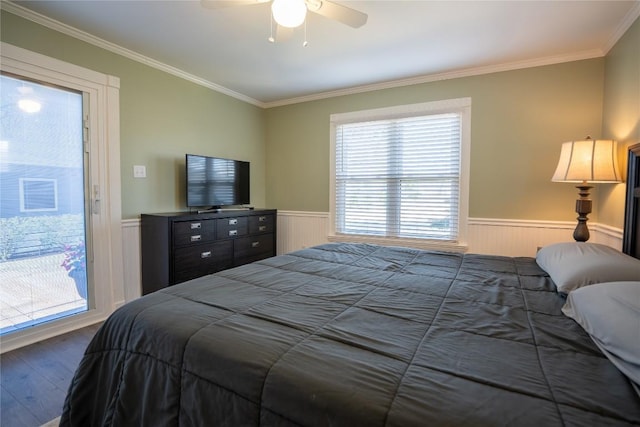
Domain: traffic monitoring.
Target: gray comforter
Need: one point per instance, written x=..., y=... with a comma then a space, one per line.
x=351, y=335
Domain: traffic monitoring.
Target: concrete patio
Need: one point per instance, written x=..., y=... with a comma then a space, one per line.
x=35, y=289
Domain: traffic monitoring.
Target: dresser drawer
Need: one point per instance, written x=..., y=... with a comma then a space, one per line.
x=250, y=247
x=231, y=227
x=198, y=260
x=261, y=224
x=193, y=232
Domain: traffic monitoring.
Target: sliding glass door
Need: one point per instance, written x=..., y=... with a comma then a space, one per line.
x=43, y=203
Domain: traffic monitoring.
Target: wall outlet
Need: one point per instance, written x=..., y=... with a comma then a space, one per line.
x=139, y=171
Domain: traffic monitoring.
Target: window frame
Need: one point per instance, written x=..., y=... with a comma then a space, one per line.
x=103, y=204
x=460, y=106
x=24, y=190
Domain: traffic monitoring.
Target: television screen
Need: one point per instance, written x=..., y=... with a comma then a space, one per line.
x=214, y=182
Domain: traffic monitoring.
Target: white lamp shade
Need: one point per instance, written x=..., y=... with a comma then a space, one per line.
x=289, y=13
x=588, y=161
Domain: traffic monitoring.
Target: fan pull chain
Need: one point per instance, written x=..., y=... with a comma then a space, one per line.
x=305, y=43
x=271, y=39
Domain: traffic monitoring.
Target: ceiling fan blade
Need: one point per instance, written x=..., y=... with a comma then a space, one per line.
x=218, y=4
x=338, y=12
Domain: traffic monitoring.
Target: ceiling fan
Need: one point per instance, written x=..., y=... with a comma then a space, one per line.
x=292, y=13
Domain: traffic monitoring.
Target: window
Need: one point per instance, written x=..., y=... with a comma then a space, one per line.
x=400, y=174
x=38, y=195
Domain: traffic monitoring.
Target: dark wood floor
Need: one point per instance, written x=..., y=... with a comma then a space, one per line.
x=35, y=378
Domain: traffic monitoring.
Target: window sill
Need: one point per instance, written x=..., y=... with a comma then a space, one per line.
x=409, y=243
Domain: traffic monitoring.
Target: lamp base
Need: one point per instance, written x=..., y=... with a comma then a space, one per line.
x=583, y=208
x=581, y=233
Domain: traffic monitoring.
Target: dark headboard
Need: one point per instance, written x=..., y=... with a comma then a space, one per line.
x=631, y=237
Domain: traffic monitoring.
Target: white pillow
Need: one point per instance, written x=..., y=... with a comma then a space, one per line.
x=610, y=313
x=573, y=265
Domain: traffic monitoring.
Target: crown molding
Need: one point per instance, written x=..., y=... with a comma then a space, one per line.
x=112, y=47
x=469, y=72
x=626, y=23
x=25, y=13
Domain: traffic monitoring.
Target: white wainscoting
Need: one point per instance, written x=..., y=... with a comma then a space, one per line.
x=298, y=230
x=523, y=237
x=131, y=259
x=607, y=235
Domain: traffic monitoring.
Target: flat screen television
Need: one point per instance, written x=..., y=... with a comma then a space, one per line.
x=213, y=182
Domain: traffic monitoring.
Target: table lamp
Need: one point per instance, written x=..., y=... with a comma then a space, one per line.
x=586, y=162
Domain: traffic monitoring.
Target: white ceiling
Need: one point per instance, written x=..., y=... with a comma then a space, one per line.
x=402, y=42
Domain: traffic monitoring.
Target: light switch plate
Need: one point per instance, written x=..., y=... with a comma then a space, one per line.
x=139, y=171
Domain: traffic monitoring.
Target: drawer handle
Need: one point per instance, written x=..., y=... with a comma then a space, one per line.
x=262, y=228
x=255, y=244
x=233, y=222
x=196, y=225
x=262, y=218
x=196, y=238
x=205, y=254
x=233, y=232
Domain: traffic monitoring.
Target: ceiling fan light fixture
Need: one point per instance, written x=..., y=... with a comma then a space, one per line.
x=28, y=103
x=289, y=13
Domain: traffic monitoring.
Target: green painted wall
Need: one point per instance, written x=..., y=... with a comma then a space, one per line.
x=162, y=117
x=621, y=115
x=519, y=120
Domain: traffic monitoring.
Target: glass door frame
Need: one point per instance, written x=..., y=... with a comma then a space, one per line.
x=60, y=199
x=104, y=198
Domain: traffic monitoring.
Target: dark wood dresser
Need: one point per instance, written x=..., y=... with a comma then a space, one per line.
x=178, y=246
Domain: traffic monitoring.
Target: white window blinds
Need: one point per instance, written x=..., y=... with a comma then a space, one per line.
x=399, y=177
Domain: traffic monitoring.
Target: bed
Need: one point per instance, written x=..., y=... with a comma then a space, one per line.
x=363, y=335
